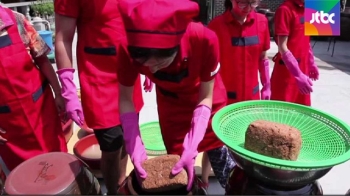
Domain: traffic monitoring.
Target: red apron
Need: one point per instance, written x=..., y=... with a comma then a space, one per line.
x=177, y=97
x=241, y=47
x=100, y=29
x=28, y=112
x=283, y=84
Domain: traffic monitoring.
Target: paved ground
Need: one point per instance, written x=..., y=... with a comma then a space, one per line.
x=331, y=94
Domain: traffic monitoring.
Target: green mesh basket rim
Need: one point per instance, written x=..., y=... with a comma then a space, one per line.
x=152, y=148
x=273, y=162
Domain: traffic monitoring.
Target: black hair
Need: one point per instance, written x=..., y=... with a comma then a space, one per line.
x=228, y=5
x=146, y=53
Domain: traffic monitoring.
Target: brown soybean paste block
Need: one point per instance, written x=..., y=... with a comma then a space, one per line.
x=273, y=139
x=159, y=177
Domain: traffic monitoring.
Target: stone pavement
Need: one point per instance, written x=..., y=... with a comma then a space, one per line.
x=332, y=95
x=323, y=56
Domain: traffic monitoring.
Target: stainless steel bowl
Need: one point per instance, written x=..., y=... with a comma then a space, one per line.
x=278, y=177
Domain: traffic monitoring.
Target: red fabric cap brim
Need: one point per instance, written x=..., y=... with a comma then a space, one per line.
x=148, y=40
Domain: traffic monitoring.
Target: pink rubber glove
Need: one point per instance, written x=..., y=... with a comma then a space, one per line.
x=304, y=83
x=147, y=85
x=69, y=93
x=313, y=69
x=201, y=116
x=265, y=79
x=133, y=142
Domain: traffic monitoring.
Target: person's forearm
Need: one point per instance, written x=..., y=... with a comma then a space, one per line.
x=282, y=44
x=207, y=102
x=126, y=106
x=206, y=93
x=288, y=58
x=126, y=103
x=47, y=70
x=63, y=53
x=282, y=49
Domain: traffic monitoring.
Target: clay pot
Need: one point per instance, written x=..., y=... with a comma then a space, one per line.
x=54, y=173
x=132, y=187
x=88, y=150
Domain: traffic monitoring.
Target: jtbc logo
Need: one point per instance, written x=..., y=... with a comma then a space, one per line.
x=322, y=18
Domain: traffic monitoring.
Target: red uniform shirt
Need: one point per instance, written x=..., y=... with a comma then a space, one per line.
x=100, y=29
x=241, y=46
x=289, y=21
x=178, y=85
x=204, y=70
x=102, y=17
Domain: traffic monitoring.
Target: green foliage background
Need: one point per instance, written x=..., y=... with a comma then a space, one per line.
x=43, y=7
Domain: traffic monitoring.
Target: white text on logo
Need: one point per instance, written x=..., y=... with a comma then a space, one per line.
x=322, y=18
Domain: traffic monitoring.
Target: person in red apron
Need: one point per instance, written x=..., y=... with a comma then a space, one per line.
x=29, y=118
x=181, y=57
x=244, y=39
x=99, y=31
x=294, y=63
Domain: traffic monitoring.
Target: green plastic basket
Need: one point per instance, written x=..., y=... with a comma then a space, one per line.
x=152, y=139
x=325, y=138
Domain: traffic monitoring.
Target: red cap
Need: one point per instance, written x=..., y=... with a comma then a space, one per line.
x=156, y=23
